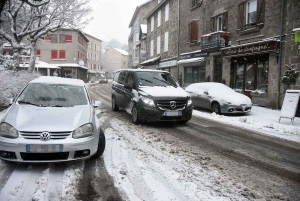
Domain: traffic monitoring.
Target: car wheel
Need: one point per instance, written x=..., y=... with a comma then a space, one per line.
x=135, y=115
x=114, y=104
x=215, y=107
x=101, y=145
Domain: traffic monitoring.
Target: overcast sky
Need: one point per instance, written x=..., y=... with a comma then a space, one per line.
x=112, y=18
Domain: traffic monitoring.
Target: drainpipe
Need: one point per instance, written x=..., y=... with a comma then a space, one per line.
x=178, y=36
x=280, y=53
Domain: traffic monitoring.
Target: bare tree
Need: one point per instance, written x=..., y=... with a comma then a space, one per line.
x=31, y=20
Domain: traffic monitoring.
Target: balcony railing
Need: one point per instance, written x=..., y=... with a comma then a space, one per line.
x=214, y=40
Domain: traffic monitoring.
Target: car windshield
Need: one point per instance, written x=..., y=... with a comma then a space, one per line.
x=53, y=95
x=155, y=79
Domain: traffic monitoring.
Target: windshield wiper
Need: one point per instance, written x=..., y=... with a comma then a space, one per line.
x=29, y=103
x=164, y=81
x=146, y=80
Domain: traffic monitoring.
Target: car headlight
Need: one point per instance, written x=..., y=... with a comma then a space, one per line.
x=148, y=101
x=189, y=102
x=8, y=131
x=83, y=131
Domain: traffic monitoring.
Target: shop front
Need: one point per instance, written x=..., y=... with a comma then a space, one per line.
x=253, y=70
x=169, y=65
x=192, y=68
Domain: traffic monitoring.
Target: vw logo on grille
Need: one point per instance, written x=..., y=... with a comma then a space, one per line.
x=173, y=104
x=45, y=136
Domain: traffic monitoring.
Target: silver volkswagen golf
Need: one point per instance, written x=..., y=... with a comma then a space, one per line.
x=52, y=120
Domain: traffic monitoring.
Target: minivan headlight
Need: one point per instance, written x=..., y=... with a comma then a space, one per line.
x=83, y=131
x=8, y=131
x=148, y=101
x=189, y=102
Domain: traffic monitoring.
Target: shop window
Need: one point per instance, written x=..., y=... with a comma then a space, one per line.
x=251, y=13
x=250, y=73
x=193, y=31
x=194, y=74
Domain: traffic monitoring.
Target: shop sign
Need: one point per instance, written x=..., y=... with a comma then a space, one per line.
x=193, y=55
x=249, y=49
x=297, y=36
x=67, y=68
x=167, y=63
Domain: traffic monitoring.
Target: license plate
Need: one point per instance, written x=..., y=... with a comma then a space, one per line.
x=37, y=148
x=173, y=113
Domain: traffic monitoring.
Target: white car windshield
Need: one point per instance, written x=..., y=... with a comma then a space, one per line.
x=155, y=79
x=54, y=95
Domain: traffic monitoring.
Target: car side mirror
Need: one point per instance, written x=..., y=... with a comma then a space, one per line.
x=128, y=86
x=97, y=104
x=9, y=101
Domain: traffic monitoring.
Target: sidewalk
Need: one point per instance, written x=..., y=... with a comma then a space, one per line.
x=262, y=120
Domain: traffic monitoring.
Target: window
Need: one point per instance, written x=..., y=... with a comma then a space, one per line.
x=167, y=8
x=97, y=58
x=151, y=48
x=136, y=53
x=90, y=45
x=38, y=52
x=152, y=23
x=122, y=77
x=193, y=29
x=48, y=37
x=95, y=47
x=158, y=45
x=62, y=38
x=68, y=38
x=62, y=54
x=137, y=36
x=158, y=18
x=196, y=3
x=251, y=13
x=54, y=54
x=166, y=46
x=54, y=38
x=219, y=22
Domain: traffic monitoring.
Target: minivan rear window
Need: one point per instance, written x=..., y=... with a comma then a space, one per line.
x=155, y=79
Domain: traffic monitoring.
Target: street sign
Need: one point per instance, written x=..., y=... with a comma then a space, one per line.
x=290, y=104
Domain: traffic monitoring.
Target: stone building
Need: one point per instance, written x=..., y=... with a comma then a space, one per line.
x=115, y=59
x=66, y=49
x=93, y=53
x=136, y=53
x=162, y=37
x=237, y=42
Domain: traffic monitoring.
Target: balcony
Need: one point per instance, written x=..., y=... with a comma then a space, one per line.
x=214, y=40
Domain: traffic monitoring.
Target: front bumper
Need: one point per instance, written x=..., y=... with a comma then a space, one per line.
x=236, y=109
x=150, y=114
x=18, y=150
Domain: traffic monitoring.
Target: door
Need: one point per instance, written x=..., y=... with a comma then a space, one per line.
x=128, y=95
x=217, y=69
x=120, y=90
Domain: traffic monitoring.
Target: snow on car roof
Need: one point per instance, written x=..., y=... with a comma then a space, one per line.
x=58, y=80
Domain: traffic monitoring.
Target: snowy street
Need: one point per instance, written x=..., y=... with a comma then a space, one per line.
x=207, y=159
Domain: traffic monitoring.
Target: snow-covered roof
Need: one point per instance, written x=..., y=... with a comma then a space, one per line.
x=144, y=28
x=198, y=51
x=199, y=59
x=39, y=64
x=296, y=29
x=73, y=65
x=122, y=51
x=58, y=80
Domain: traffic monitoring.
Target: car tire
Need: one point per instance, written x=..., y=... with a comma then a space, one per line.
x=101, y=145
x=135, y=115
x=114, y=106
x=215, y=107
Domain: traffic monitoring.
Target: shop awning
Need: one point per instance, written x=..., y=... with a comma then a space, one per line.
x=150, y=61
x=193, y=60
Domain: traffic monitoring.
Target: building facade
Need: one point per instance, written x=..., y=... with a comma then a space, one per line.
x=136, y=52
x=67, y=49
x=115, y=59
x=94, y=53
x=237, y=42
x=162, y=37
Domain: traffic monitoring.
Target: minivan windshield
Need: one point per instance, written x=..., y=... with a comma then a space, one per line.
x=147, y=78
x=53, y=95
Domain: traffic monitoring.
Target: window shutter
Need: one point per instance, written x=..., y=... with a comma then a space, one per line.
x=224, y=21
x=53, y=54
x=212, y=24
x=62, y=54
x=194, y=25
x=241, y=13
x=260, y=15
x=68, y=38
x=38, y=52
x=48, y=37
x=190, y=32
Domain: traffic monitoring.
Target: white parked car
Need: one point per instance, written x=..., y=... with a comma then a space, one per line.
x=218, y=98
x=52, y=120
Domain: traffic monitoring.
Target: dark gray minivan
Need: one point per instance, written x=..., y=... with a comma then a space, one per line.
x=150, y=95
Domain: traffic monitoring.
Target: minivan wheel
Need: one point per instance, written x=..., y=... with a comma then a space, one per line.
x=135, y=115
x=101, y=145
x=114, y=106
x=215, y=107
